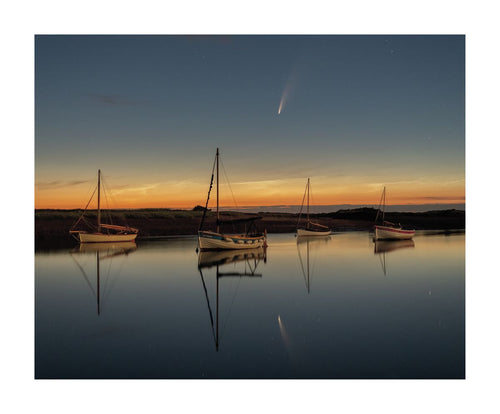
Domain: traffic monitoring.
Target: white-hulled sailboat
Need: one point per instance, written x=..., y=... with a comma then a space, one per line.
x=388, y=230
x=104, y=233
x=215, y=240
x=310, y=229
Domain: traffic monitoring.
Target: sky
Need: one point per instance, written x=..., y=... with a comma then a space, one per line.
x=353, y=113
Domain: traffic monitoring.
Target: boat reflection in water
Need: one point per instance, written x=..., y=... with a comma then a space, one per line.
x=103, y=252
x=248, y=260
x=385, y=246
x=306, y=244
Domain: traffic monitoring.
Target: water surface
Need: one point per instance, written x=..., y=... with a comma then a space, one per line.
x=335, y=307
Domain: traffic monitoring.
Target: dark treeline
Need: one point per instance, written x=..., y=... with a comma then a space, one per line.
x=52, y=226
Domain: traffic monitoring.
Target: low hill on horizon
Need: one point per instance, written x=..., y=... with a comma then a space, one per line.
x=52, y=225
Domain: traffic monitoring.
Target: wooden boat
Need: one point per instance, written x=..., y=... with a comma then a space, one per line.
x=103, y=233
x=388, y=230
x=311, y=228
x=215, y=240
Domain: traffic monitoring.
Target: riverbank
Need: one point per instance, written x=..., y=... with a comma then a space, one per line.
x=52, y=226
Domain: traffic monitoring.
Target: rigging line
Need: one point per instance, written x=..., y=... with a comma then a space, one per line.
x=208, y=196
x=301, y=207
x=314, y=263
x=84, y=276
x=379, y=204
x=113, y=280
x=230, y=308
x=311, y=197
x=208, y=305
x=106, y=278
x=84, y=210
x=302, y=266
x=107, y=196
x=382, y=263
x=89, y=223
x=252, y=270
x=228, y=183
x=230, y=189
x=114, y=203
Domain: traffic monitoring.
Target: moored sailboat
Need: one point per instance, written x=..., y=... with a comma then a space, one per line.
x=216, y=240
x=311, y=228
x=103, y=233
x=388, y=230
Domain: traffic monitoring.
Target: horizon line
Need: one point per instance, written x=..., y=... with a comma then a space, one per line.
x=282, y=207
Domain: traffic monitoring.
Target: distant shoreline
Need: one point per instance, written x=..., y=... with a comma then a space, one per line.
x=52, y=225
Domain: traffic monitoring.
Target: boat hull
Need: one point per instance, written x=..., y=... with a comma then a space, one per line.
x=386, y=246
x=305, y=232
x=207, y=259
x=390, y=233
x=218, y=241
x=124, y=247
x=105, y=238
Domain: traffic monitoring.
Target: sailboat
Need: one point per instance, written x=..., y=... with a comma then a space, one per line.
x=215, y=240
x=104, y=233
x=310, y=229
x=388, y=230
x=206, y=260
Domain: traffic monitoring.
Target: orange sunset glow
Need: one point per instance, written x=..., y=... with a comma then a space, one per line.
x=370, y=112
x=263, y=193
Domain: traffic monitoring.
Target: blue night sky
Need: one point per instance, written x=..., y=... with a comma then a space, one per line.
x=357, y=113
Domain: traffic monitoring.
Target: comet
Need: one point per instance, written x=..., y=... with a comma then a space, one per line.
x=287, y=91
x=282, y=102
x=284, y=96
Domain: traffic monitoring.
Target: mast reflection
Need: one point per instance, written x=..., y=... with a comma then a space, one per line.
x=386, y=246
x=250, y=259
x=310, y=243
x=103, y=251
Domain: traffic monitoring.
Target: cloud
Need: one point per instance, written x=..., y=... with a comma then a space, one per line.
x=50, y=185
x=441, y=198
x=112, y=99
x=144, y=189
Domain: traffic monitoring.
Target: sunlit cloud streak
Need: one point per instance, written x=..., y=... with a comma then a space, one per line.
x=112, y=99
x=438, y=198
x=58, y=184
x=137, y=190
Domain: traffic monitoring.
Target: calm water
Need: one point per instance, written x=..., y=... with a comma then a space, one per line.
x=338, y=307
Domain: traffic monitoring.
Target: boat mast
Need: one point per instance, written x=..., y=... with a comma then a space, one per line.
x=308, y=185
x=383, y=207
x=98, y=285
x=98, y=201
x=308, y=282
x=217, y=158
x=217, y=275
